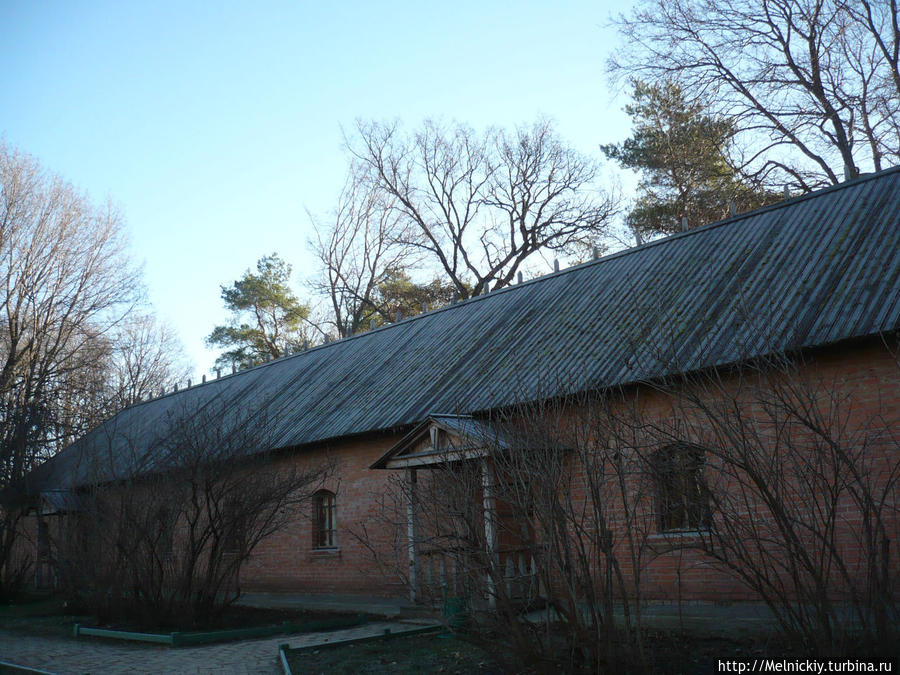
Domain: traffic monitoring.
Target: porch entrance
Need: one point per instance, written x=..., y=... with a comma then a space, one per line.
x=462, y=539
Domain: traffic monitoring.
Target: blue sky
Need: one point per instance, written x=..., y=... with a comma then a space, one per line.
x=214, y=126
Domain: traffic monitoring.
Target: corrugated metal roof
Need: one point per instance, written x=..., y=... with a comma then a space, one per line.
x=810, y=271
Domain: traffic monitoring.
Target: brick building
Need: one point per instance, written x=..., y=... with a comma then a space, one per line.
x=809, y=286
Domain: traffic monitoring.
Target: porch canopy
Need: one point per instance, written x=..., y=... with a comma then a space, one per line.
x=440, y=438
x=436, y=440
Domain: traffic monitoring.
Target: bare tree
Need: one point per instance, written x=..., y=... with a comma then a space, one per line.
x=361, y=248
x=812, y=84
x=135, y=360
x=479, y=205
x=65, y=281
x=148, y=358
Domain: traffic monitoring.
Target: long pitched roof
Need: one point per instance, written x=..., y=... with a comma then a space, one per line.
x=809, y=271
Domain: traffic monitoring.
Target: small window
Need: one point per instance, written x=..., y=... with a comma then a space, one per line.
x=324, y=522
x=682, y=498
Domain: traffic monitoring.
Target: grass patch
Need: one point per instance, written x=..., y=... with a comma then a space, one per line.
x=413, y=654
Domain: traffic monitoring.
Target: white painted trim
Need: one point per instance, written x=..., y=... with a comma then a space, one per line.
x=432, y=457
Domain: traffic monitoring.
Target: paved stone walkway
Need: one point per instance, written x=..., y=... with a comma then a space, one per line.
x=90, y=655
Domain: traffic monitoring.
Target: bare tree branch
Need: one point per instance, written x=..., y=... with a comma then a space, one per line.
x=479, y=205
x=816, y=76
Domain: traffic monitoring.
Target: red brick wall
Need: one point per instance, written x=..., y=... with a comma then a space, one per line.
x=860, y=390
x=287, y=561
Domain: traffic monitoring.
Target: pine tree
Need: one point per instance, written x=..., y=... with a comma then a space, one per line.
x=683, y=153
x=399, y=294
x=276, y=317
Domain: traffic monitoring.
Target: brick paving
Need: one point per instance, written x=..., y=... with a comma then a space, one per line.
x=88, y=655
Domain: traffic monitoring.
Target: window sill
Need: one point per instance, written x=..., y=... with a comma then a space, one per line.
x=669, y=535
x=325, y=553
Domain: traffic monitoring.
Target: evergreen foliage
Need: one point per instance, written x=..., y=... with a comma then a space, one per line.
x=683, y=154
x=399, y=293
x=267, y=317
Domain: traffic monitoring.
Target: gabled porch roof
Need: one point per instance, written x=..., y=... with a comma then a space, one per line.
x=442, y=437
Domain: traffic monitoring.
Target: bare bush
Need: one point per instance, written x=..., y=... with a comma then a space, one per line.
x=802, y=483
x=161, y=536
x=547, y=519
x=776, y=477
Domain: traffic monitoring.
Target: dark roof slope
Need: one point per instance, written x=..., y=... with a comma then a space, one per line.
x=810, y=271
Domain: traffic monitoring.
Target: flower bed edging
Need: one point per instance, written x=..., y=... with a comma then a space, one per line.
x=185, y=638
x=386, y=635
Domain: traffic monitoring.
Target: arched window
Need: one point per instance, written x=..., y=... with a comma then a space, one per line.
x=324, y=520
x=682, y=497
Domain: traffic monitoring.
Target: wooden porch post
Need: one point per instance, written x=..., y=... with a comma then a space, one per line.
x=490, y=527
x=411, y=530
